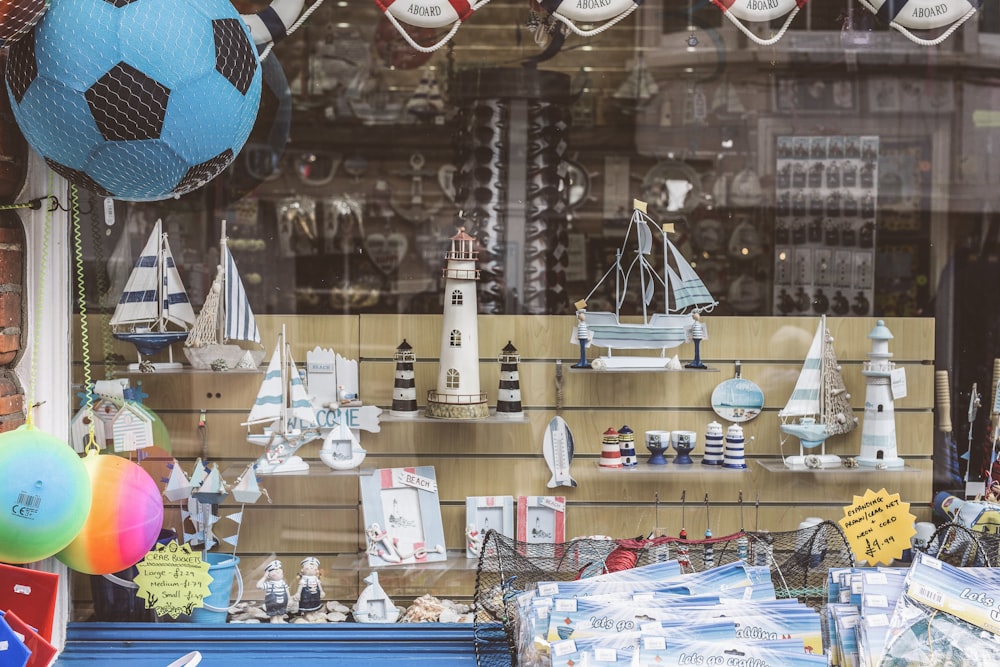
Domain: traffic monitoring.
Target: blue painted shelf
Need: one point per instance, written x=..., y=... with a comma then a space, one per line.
x=237, y=645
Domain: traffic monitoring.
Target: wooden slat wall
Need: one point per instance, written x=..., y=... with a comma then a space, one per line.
x=319, y=514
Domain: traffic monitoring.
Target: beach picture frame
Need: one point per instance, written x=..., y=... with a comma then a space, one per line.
x=484, y=513
x=402, y=514
x=541, y=519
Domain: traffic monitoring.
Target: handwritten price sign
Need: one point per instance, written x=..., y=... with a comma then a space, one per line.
x=173, y=580
x=878, y=526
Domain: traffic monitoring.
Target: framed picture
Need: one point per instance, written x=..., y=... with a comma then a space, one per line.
x=402, y=515
x=483, y=513
x=816, y=95
x=541, y=519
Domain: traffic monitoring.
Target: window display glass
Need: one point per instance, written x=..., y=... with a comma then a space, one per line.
x=398, y=272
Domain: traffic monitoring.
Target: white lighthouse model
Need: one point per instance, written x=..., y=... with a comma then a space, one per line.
x=882, y=379
x=458, y=394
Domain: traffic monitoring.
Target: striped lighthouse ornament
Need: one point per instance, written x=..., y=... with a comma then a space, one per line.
x=611, y=456
x=733, y=456
x=713, y=445
x=509, y=393
x=626, y=446
x=404, y=386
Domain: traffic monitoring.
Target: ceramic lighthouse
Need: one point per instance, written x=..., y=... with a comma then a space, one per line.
x=883, y=383
x=404, y=386
x=458, y=394
x=509, y=392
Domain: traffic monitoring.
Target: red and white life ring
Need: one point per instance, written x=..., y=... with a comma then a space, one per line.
x=906, y=15
x=760, y=11
x=589, y=11
x=428, y=14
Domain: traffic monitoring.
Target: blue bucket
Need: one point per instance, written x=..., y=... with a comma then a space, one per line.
x=222, y=568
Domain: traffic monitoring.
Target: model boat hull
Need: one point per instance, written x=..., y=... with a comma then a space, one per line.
x=663, y=331
x=231, y=354
x=149, y=343
x=809, y=434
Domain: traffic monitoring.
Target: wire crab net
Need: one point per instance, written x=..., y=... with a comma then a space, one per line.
x=960, y=546
x=799, y=562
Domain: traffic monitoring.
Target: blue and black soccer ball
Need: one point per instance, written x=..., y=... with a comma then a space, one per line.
x=138, y=100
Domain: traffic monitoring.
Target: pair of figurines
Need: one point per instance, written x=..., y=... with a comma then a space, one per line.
x=277, y=592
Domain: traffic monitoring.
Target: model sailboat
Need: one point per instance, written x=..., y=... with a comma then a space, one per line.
x=683, y=294
x=819, y=405
x=153, y=312
x=283, y=404
x=225, y=320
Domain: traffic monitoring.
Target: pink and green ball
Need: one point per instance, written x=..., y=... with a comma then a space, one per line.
x=45, y=494
x=125, y=518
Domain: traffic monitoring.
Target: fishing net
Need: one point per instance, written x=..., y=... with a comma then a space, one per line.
x=799, y=562
x=962, y=547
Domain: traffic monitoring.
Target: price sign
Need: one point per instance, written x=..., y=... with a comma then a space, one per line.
x=878, y=526
x=173, y=580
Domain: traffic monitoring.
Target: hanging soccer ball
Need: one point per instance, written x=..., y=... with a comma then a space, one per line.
x=136, y=99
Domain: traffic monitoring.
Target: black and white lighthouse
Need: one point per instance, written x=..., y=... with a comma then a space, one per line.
x=509, y=394
x=404, y=386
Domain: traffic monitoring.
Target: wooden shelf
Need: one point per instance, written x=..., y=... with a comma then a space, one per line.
x=777, y=465
x=671, y=468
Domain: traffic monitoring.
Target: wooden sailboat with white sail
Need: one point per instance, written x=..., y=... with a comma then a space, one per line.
x=819, y=406
x=153, y=311
x=225, y=334
x=283, y=405
x=681, y=289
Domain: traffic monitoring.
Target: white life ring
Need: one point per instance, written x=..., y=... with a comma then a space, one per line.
x=428, y=14
x=274, y=22
x=760, y=11
x=906, y=15
x=589, y=11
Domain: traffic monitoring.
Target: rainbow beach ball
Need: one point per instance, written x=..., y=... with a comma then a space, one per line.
x=45, y=495
x=124, y=521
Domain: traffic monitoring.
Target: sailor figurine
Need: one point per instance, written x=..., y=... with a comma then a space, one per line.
x=474, y=540
x=582, y=334
x=275, y=591
x=697, y=335
x=310, y=592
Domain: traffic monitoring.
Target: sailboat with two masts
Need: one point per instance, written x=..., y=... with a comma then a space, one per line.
x=225, y=321
x=153, y=311
x=819, y=406
x=282, y=404
x=683, y=294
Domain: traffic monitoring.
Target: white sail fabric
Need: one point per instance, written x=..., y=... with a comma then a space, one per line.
x=271, y=396
x=240, y=323
x=139, y=299
x=645, y=237
x=688, y=288
x=805, y=397
x=176, y=307
x=301, y=409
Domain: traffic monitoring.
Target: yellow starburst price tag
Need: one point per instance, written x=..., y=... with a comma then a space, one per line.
x=173, y=580
x=878, y=526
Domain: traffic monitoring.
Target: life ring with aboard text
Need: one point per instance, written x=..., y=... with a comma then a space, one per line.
x=589, y=11
x=760, y=11
x=907, y=15
x=428, y=14
x=274, y=22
